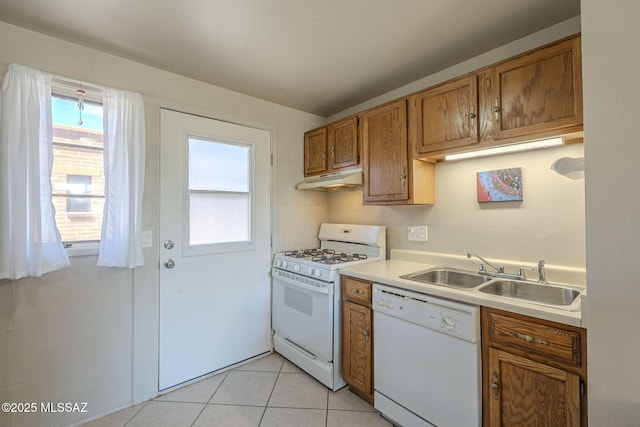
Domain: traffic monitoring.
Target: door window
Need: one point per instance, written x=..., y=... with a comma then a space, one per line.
x=220, y=194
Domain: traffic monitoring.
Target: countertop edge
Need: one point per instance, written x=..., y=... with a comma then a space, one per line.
x=388, y=272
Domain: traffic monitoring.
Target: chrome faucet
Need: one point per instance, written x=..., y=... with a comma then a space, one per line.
x=542, y=276
x=499, y=269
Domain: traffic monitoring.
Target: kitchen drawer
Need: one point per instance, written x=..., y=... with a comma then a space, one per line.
x=550, y=340
x=356, y=290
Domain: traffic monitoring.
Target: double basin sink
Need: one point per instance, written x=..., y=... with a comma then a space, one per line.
x=541, y=293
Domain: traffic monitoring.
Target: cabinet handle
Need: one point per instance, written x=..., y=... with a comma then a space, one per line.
x=323, y=154
x=366, y=334
x=529, y=338
x=472, y=114
x=356, y=291
x=333, y=151
x=496, y=109
x=494, y=386
x=403, y=177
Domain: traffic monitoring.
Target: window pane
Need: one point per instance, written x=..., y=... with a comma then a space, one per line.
x=76, y=225
x=218, y=166
x=66, y=113
x=219, y=218
x=75, y=161
x=78, y=204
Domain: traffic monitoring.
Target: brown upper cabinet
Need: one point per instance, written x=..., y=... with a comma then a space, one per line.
x=315, y=151
x=331, y=147
x=391, y=175
x=386, y=160
x=540, y=92
x=343, y=143
x=533, y=96
x=446, y=116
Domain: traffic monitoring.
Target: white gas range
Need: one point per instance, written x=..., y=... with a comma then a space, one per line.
x=306, y=297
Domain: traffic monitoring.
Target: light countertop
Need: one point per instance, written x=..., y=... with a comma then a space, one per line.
x=388, y=272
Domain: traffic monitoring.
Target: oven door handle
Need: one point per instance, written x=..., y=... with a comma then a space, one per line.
x=294, y=283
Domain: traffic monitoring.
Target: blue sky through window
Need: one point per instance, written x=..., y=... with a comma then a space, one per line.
x=65, y=111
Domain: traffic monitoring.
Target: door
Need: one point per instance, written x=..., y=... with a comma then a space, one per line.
x=444, y=369
x=528, y=393
x=215, y=248
x=539, y=92
x=357, y=348
x=303, y=312
x=385, y=155
x=446, y=116
x=315, y=151
x=343, y=143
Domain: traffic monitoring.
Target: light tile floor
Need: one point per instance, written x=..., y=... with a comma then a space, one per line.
x=268, y=392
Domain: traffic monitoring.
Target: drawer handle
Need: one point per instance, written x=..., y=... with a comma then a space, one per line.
x=356, y=291
x=529, y=338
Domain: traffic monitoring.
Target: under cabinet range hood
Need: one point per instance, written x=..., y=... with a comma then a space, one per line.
x=332, y=181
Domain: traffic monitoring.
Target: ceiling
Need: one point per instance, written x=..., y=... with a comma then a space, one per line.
x=319, y=56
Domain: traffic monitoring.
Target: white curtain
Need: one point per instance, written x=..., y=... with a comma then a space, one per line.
x=30, y=243
x=124, y=160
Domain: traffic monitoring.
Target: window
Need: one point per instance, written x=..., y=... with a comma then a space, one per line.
x=78, y=170
x=220, y=198
x=34, y=183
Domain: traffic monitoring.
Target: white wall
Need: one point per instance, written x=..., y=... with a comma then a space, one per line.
x=611, y=105
x=88, y=334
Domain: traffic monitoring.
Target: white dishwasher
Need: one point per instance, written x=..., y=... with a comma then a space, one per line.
x=426, y=359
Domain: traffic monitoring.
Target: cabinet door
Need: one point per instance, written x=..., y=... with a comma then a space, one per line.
x=527, y=393
x=357, y=348
x=539, y=92
x=385, y=153
x=315, y=151
x=446, y=116
x=343, y=143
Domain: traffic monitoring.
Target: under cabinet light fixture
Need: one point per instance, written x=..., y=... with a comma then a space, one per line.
x=533, y=145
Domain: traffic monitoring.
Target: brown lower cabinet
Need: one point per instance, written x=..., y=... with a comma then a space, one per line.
x=534, y=371
x=357, y=337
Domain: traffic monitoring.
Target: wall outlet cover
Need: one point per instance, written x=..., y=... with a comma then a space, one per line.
x=417, y=233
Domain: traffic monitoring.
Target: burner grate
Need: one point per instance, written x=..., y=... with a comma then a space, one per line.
x=338, y=258
x=306, y=253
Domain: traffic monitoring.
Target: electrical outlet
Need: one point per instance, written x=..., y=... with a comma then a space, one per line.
x=418, y=233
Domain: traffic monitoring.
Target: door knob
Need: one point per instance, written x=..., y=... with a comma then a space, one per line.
x=169, y=263
x=168, y=244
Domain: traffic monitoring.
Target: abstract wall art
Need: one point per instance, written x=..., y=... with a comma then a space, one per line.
x=502, y=185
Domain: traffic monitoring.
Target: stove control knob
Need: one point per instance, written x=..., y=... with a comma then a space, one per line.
x=296, y=268
x=278, y=263
x=311, y=271
x=285, y=264
x=318, y=273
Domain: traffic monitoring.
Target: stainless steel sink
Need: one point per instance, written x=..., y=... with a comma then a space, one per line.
x=533, y=292
x=448, y=277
